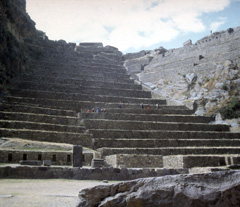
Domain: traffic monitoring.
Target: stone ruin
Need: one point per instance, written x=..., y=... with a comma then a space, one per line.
x=85, y=97
x=206, y=72
x=82, y=95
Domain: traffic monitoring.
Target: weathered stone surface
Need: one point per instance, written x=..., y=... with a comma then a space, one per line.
x=220, y=189
x=17, y=30
x=189, y=161
x=134, y=161
x=191, y=78
x=77, y=156
x=30, y=162
x=213, y=59
x=105, y=173
x=187, y=43
x=97, y=163
x=47, y=162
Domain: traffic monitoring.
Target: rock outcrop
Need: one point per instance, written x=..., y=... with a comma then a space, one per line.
x=220, y=189
x=207, y=72
x=19, y=41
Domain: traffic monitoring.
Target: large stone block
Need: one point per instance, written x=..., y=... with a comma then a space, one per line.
x=190, y=161
x=77, y=156
x=213, y=189
x=134, y=161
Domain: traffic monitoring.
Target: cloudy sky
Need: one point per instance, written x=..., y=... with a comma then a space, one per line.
x=133, y=25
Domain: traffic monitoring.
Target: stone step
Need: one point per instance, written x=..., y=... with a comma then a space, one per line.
x=170, y=150
x=82, y=72
x=190, y=161
x=161, y=134
x=79, y=69
x=77, y=83
x=83, y=97
x=155, y=143
x=15, y=124
x=147, y=117
x=162, y=110
x=97, y=72
x=36, y=110
x=41, y=118
x=145, y=125
x=83, y=139
x=73, y=105
x=88, y=90
x=74, y=82
x=85, y=62
x=89, y=77
x=73, y=78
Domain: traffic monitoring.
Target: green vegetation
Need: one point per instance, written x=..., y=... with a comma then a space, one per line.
x=231, y=110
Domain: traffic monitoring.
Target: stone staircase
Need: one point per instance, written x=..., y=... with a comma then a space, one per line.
x=51, y=104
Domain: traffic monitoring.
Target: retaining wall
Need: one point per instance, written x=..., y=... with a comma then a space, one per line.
x=33, y=172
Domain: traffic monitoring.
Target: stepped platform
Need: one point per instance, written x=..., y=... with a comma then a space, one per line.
x=82, y=83
x=39, y=126
x=84, y=97
x=22, y=108
x=73, y=78
x=42, y=118
x=146, y=125
x=83, y=139
x=146, y=117
x=165, y=151
x=79, y=106
x=51, y=101
x=162, y=134
x=85, y=89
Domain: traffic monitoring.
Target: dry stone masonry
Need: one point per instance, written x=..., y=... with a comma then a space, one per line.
x=82, y=95
x=85, y=97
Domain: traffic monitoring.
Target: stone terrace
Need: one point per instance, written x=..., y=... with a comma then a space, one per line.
x=50, y=103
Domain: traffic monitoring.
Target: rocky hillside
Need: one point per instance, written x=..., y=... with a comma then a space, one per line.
x=207, y=72
x=19, y=41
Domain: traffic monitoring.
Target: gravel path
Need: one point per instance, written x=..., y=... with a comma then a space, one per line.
x=41, y=193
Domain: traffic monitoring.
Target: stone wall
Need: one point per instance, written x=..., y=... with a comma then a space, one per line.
x=189, y=161
x=27, y=172
x=132, y=161
x=56, y=157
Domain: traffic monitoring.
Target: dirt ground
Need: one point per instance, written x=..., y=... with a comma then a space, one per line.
x=42, y=193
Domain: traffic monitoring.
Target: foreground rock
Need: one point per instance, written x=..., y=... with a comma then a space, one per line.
x=221, y=189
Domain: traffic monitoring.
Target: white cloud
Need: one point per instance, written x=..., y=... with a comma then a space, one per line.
x=121, y=23
x=214, y=26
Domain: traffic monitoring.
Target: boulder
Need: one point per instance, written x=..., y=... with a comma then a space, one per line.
x=191, y=78
x=229, y=63
x=219, y=189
